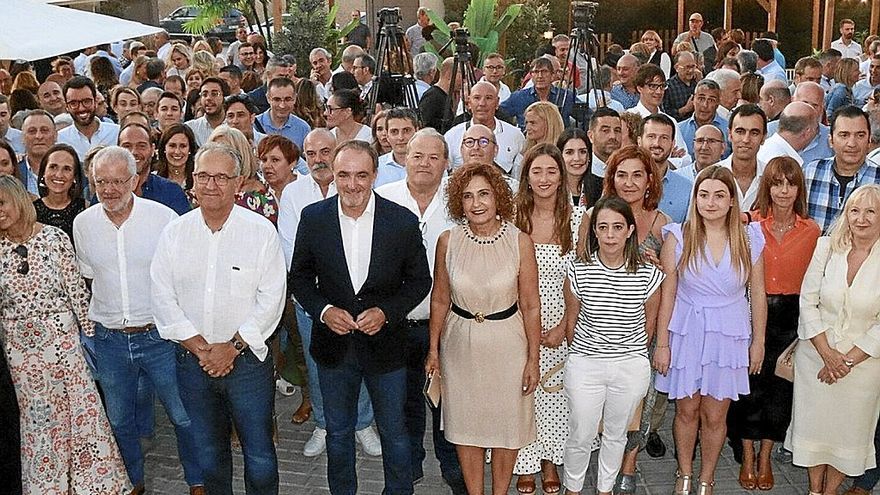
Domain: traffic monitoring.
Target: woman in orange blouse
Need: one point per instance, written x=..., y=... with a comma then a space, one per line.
x=791, y=236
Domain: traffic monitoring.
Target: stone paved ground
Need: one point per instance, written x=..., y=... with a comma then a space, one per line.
x=300, y=475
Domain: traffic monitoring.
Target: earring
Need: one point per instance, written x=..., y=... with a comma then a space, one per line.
x=497, y=217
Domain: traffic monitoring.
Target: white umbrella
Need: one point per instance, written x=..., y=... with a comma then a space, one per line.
x=33, y=29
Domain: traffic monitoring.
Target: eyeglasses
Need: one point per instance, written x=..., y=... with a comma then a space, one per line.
x=493, y=67
x=656, y=86
x=115, y=183
x=482, y=142
x=210, y=94
x=702, y=141
x=330, y=110
x=203, y=178
x=80, y=103
x=23, y=267
x=540, y=72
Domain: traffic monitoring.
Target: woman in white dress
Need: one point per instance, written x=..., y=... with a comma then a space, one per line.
x=343, y=111
x=837, y=373
x=543, y=211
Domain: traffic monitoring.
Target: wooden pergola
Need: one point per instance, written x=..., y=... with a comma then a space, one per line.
x=825, y=18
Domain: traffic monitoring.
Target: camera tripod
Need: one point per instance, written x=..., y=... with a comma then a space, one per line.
x=583, y=43
x=462, y=77
x=393, y=82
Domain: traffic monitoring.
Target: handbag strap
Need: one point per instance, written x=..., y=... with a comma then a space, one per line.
x=548, y=375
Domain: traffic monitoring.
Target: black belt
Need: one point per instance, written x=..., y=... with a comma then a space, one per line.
x=133, y=330
x=416, y=323
x=480, y=317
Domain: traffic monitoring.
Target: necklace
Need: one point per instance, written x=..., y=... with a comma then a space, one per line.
x=25, y=239
x=782, y=228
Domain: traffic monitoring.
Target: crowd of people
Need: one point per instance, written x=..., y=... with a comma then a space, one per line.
x=205, y=226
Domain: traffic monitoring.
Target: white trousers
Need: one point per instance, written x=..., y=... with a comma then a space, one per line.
x=597, y=388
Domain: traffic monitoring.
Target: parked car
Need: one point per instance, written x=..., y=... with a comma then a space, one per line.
x=225, y=28
x=267, y=26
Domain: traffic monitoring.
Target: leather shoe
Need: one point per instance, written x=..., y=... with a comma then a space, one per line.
x=139, y=490
x=855, y=490
x=655, y=446
x=197, y=490
x=303, y=413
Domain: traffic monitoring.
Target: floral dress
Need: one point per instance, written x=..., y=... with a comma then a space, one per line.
x=262, y=202
x=67, y=446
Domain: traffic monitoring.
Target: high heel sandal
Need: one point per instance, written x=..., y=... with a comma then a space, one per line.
x=682, y=483
x=705, y=487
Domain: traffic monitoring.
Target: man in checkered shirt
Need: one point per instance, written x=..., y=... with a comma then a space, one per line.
x=830, y=181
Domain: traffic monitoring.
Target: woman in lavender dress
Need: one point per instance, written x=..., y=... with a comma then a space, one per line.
x=707, y=344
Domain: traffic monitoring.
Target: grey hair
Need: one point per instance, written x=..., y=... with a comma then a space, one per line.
x=114, y=154
x=723, y=77
x=225, y=149
x=320, y=50
x=429, y=132
x=152, y=90
x=352, y=52
x=424, y=64
x=748, y=61
x=874, y=119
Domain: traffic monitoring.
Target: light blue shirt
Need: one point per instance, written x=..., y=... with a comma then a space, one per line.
x=773, y=71
x=294, y=129
x=817, y=149
x=389, y=170
x=688, y=129
x=106, y=134
x=13, y=137
x=676, y=196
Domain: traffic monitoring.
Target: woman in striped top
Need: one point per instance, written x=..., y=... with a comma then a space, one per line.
x=607, y=370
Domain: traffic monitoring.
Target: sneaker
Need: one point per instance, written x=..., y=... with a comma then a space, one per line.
x=316, y=444
x=284, y=387
x=369, y=440
x=655, y=446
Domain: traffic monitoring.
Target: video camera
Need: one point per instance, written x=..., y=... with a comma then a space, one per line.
x=461, y=36
x=389, y=16
x=584, y=14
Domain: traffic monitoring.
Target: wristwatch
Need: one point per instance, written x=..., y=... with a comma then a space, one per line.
x=849, y=363
x=237, y=344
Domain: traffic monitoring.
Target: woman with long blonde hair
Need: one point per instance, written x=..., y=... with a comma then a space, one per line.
x=543, y=124
x=179, y=60
x=713, y=312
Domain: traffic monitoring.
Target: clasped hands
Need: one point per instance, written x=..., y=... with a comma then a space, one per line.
x=341, y=322
x=217, y=360
x=835, y=367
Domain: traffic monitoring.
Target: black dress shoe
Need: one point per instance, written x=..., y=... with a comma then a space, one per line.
x=655, y=446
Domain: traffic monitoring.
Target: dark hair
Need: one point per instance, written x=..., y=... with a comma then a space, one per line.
x=78, y=82
x=632, y=258
x=287, y=147
x=233, y=70
x=721, y=53
x=463, y=176
x=850, y=112
x=22, y=99
x=764, y=49
x=659, y=118
x=169, y=94
x=16, y=172
x=224, y=88
x=76, y=189
x=402, y=113
x=829, y=54
x=174, y=78
x=655, y=182
x=368, y=61
x=162, y=165
x=525, y=198
x=647, y=73
x=360, y=146
x=244, y=99
x=776, y=169
x=280, y=82
x=584, y=185
x=349, y=98
x=344, y=80
x=602, y=112
x=748, y=110
x=155, y=68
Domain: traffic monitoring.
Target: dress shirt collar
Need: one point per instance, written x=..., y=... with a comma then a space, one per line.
x=598, y=166
x=369, y=211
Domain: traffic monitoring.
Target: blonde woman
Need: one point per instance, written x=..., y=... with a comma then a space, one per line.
x=841, y=94
x=657, y=56
x=710, y=336
x=543, y=124
x=179, y=60
x=206, y=63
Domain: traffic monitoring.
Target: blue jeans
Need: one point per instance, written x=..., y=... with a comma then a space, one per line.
x=121, y=360
x=365, y=409
x=869, y=480
x=341, y=387
x=416, y=352
x=244, y=397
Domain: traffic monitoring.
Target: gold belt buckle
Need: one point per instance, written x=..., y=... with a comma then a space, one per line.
x=479, y=317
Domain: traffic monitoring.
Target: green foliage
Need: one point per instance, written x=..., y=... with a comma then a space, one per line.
x=479, y=18
x=211, y=11
x=526, y=34
x=310, y=25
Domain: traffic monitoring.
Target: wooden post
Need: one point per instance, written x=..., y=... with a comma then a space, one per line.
x=276, y=16
x=771, y=15
x=728, y=14
x=681, y=24
x=828, y=22
x=875, y=15
x=817, y=12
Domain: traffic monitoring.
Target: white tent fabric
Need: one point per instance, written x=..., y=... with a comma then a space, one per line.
x=34, y=29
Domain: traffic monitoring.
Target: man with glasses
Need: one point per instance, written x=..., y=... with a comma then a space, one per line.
x=494, y=69
x=651, y=84
x=87, y=130
x=211, y=94
x=483, y=102
x=246, y=56
x=700, y=39
x=543, y=74
x=136, y=139
x=280, y=119
x=117, y=239
x=678, y=100
x=478, y=145
x=709, y=145
x=218, y=281
x=706, y=100
x=282, y=66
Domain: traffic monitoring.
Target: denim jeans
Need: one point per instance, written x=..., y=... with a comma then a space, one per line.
x=244, y=397
x=341, y=386
x=869, y=480
x=145, y=417
x=417, y=350
x=121, y=359
x=365, y=409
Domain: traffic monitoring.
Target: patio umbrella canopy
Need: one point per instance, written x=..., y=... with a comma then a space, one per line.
x=35, y=30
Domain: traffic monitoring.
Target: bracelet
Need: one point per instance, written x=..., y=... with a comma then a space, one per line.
x=662, y=346
x=849, y=363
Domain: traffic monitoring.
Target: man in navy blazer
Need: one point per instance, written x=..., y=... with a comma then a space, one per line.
x=359, y=267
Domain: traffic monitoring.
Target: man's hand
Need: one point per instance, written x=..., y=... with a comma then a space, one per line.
x=371, y=321
x=217, y=359
x=339, y=321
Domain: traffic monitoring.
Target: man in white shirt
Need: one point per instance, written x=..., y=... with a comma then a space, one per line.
x=400, y=125
x=163, y=42
x=483, y=102
x=479, y=145
x=748, y=127
x=87, y=130
x=218, y=289
x=211, y=94
x=773, y=98
x=51, y=98
x=311, y=188
x=651, y=84
x=7, y=132
x=115, y=241
x=847, y=47
x=864, y=89
x=359, y=267
x=423, y=193
x=494, y=69
x=797, y=128
x=321, y=75
x=363, y=68
x=414, y=33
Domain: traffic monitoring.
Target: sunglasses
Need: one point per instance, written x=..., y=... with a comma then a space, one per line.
x=23, y=268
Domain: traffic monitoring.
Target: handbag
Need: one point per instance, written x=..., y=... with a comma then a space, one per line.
x=785, y=362
x=432, y=389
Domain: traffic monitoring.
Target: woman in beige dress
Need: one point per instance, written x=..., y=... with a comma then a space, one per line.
x=837, y=373
x=485, y=327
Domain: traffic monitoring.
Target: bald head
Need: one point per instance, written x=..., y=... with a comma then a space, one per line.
x=51, y=98
x=774, y=96
x=478, y=144
x=708, y=146
x=798, y=124
x=446, y=69
x=812, y=94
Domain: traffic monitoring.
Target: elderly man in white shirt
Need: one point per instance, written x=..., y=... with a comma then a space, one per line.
x=317, y=185
x=218, y=289
x=116, y=240
x=423, y=193
x=797, y=128
x=483, y=102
